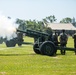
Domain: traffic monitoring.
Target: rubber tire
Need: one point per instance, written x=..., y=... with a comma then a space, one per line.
x=11, y=43
x=35, y=48
x=19, y=44
x=47, y=48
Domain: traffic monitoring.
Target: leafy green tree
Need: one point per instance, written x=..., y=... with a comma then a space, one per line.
x=51, y=19
x=31, y=24
x=66, y=20
x=35, y=25
x=22, y=24
x=45, y=22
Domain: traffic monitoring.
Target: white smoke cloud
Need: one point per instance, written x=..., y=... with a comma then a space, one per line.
x=7, y=27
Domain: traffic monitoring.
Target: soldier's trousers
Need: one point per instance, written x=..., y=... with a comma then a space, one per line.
x=63, y=51
x=75, y=47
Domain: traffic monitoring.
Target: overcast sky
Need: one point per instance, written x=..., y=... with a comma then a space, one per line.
x=38, y=9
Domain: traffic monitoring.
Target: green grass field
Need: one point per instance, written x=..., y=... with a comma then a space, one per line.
x=23, y=61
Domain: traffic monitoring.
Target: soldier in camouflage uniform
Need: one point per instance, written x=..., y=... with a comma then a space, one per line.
x=55, y=40
x=74, y=37
x=63, y=41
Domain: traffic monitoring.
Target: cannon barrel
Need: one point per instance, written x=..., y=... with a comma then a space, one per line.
x=32, y=33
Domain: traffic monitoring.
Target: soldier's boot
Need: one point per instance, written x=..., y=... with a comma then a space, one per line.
x=62, y=52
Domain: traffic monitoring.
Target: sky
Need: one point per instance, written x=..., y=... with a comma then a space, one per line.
x=38, y=9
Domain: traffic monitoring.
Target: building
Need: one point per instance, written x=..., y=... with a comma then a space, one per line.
x=60, y=26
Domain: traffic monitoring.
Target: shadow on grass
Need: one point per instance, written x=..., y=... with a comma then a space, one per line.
x=28, y=54
x=16, y=54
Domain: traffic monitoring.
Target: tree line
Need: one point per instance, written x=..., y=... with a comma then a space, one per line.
x=41, y=26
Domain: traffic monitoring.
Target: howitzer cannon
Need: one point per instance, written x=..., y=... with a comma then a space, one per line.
x=41, y=44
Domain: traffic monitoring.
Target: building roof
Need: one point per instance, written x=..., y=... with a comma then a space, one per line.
x=60, y=26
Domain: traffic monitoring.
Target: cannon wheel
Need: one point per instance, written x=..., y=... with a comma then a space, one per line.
x=10, y=43
x=47, y=48
x=35, y=48
x=19, y=44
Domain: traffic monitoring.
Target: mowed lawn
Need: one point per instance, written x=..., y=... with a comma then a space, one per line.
x=23, y=61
